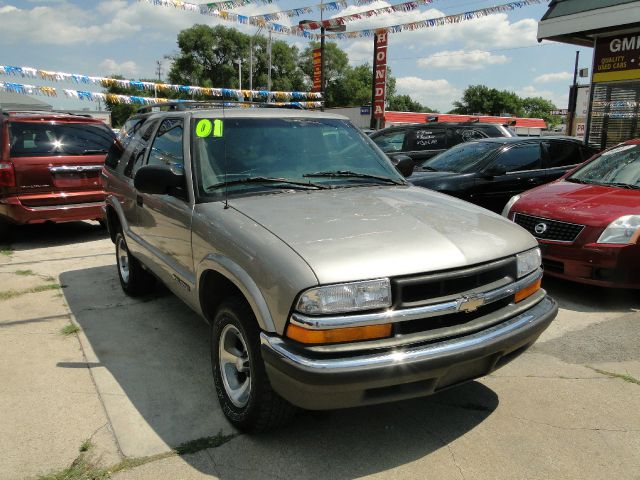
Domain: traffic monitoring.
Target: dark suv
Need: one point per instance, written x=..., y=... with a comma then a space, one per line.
x=423, y=141
x=49, y=167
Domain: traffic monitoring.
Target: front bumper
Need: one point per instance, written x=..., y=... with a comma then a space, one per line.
x=319, y=383
x=595, y=264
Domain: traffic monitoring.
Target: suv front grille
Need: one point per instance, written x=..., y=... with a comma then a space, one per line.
x=416, y=291
x=552, y=230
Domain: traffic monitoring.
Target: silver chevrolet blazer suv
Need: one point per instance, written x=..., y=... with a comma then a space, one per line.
x=327, y=280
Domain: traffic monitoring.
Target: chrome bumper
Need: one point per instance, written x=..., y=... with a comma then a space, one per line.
x=415, y=313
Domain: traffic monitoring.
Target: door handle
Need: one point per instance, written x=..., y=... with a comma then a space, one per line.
x=139, y=200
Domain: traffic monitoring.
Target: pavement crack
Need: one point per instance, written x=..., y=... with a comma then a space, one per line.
x=449, y=449
x=590, y=429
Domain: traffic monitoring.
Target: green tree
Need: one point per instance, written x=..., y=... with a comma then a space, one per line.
x=404, y=103
x=538, y=107
x=482, y=99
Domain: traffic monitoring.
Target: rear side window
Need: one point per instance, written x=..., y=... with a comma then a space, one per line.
x=516, y=159
x=167, y=146
x=562, y=154
x=459, y=135
x=134, y=155
x=427, y=139
x=391, y=142
x=46, y=139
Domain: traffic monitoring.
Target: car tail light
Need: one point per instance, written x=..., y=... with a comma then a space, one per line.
x=7, y=175
x=337, y=335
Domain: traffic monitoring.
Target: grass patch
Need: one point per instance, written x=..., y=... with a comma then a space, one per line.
x=6, y=250
x=8, y=294
x=24, y=273
x=67, y=330
x=622, y=376
x=84, y=468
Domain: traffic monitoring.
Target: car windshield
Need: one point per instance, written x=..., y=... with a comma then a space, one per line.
x=461, y=158
x=46, y=139
x=618, y=167
x=249, y=154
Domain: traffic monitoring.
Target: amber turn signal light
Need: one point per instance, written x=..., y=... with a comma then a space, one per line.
x=338, y=335
x=528, y=291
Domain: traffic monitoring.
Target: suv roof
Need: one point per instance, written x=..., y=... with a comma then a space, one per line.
x=525, y=139
x=46, y=116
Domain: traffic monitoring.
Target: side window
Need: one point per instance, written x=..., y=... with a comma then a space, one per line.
x=129, y=129
x=427, y=139
x=114, y=155
x=459, y=135
x=525, y=157
x=167, y=146
x=562, y=154
x=137, y=148
x=391, y=142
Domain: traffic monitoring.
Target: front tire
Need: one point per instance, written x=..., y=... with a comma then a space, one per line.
x=134, y=279
x=242, y=384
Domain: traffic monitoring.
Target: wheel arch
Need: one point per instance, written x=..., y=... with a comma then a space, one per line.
x=218, y=278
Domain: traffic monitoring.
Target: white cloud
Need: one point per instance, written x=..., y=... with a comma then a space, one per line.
x=359, y=51
x=462, y=60
x=438, y=94
x=127, y=69
x=558, y=98
x=552, y=77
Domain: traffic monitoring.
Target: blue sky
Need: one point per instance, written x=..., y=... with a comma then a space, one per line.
x=434, y=66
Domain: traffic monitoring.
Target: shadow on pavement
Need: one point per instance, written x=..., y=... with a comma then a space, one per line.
x=588, y=298
x=26, y=237
x=157, y=350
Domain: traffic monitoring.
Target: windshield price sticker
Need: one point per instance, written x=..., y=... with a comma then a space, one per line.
x=205, y=128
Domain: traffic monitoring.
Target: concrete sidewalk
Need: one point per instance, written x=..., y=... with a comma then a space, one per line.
x=136, y=380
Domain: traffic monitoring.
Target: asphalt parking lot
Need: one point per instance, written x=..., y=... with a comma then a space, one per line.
x=135, y=381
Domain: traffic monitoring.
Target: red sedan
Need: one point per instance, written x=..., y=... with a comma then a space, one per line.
x=588, y=222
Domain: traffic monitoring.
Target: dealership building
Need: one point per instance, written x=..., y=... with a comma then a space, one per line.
x=612, y=28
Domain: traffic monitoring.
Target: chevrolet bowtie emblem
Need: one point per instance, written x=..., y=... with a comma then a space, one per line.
x=469, y=304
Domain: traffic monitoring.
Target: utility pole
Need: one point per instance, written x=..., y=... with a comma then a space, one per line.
x=573, y=97
x=251, y=59
x=159, y=70
x=270, y=59
x=239, y=62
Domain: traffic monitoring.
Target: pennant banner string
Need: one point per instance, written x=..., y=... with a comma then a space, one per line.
x=30, y=72
x=206, y=9
x=128, y=99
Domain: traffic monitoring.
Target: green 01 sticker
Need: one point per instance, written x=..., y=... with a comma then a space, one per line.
x=204, y=128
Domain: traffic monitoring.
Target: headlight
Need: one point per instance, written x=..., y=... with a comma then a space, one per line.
x=622, y=231
x=507, y=208
x=528, y=262
x=346, y=297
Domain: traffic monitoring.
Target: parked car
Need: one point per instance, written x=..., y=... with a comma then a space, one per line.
x=49, y=167
x=425, y=140
x=588, y=222
x=328, y=281
x=489, y=172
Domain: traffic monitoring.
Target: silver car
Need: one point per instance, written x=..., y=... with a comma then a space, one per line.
x=327, y=279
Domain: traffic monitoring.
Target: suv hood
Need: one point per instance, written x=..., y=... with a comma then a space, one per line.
x=370, y=232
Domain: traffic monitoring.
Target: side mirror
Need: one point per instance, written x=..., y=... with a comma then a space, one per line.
x=158, y=179
x=404, y=164
x=495, y=171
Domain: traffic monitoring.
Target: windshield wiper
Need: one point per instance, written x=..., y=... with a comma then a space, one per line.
x=290, y=183
x=350, y=174
x=428, y=169
x=623, y=185
x=584, y=182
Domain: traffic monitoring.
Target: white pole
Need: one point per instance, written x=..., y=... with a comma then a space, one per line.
x=269, y=74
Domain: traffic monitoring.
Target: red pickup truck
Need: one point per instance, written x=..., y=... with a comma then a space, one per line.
x=50, y=167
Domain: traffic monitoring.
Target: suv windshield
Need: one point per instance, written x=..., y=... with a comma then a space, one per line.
x=461, y=158
x=46, y=139
x=618, y=167
x=265, y=153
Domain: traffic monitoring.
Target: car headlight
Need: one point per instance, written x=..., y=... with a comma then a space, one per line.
x=346, y=297
x=507, y=208
x=624, y=230
x=528, y=262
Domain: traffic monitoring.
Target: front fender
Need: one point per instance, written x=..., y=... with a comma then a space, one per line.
x=241, y=279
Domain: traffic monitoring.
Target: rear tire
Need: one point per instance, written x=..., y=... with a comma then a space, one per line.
x=242, y=384
x=134, y=279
